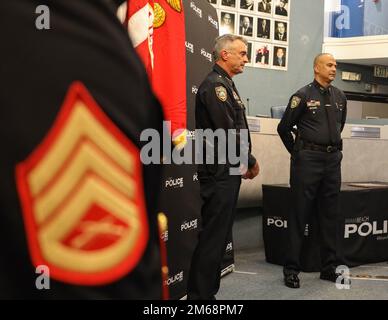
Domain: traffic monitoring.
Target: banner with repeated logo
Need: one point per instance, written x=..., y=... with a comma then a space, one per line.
x=180, y=199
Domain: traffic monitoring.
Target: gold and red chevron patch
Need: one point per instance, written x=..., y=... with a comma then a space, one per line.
x=82, y=196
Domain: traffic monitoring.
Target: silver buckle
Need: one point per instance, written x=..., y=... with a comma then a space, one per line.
x=329, y=149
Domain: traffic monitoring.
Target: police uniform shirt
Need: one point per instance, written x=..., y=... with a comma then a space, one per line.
x=86, y=44
x=308, y=110
x=218, y=105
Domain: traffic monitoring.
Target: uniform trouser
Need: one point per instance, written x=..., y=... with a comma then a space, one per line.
x=315, y=176
x=219, y=196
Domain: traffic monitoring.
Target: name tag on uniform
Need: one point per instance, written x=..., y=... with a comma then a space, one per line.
x=313, y=104
x=237, y=98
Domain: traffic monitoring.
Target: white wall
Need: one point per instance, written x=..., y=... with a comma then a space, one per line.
x=362, y=109
x=354, y=110
x=374, y=109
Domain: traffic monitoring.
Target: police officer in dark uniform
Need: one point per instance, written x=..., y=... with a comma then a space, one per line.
x=84, y=66
x=318, y=110
x=219, y=106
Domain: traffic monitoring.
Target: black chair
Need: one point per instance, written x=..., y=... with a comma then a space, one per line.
x=278, y=111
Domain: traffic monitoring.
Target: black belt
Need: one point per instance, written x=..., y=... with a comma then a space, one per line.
x=320, y=147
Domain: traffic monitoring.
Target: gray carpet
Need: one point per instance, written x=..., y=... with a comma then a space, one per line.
x=255, y=279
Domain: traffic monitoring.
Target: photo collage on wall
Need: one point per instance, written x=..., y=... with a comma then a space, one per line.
x=264, y=23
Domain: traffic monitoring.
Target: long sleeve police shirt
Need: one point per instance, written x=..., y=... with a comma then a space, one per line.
x=219, y=106
x=307, y=111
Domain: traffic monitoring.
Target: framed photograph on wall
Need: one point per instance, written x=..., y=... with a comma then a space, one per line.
x=213, y=2
x=227, y=22
x=262, y=55
x=263, y=30
x=282, y=8
x=249, y=54
x=247, y=5
x=245, y=27
x=264, y=7
x=264, y=23
x=228, y=3
x=280, y=57
x=281, y=31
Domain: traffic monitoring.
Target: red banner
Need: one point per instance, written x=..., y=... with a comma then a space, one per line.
x=162, y=49
x=169, y=76
x=140, y=27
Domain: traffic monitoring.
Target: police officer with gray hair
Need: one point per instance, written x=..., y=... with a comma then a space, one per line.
x=219, y=106
x=318, y=110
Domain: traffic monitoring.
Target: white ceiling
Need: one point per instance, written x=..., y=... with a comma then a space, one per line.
x=366, y=62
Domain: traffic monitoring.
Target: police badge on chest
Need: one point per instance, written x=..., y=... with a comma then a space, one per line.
x=313, y=105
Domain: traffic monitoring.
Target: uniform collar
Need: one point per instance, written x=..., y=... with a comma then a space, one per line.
x=223, y=73
x=321, y=88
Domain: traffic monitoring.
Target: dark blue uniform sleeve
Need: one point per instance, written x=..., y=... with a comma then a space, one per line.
x=118, y=2
x=219, y=104
x=344, y=112
x=295, y=108
x=217, y=100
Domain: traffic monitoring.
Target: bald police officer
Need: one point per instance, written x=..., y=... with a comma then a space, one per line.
x=318, y=110
x=219, y=106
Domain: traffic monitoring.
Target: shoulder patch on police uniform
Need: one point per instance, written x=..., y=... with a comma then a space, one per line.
x=221, y=93
x=295, y=102
x=82, y=196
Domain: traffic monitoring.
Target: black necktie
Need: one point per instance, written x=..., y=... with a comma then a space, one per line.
x=331, y=118
x=245, y=120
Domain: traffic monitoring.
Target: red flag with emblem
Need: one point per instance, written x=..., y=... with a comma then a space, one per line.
x=169, y=76
x=139, y=20
x=165, y=52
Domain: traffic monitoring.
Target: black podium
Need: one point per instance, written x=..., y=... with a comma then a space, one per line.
x=362, y=226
